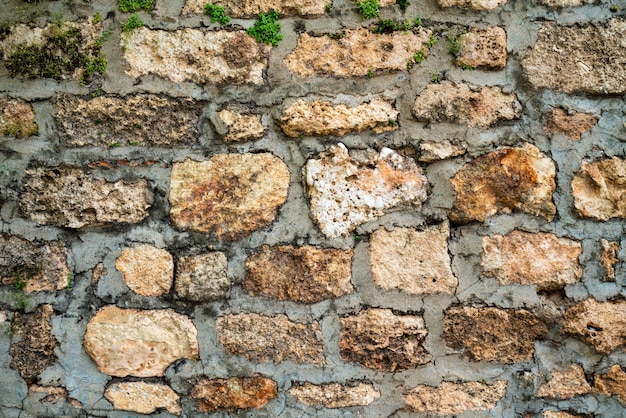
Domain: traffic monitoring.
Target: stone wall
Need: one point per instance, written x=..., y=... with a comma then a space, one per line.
x=420, y=214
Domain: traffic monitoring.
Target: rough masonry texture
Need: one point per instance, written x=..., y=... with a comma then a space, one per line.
x=202, y=277
x=599, y=189
x=251, y=8
x=483, y=48
x=232, y=394
x=147, y=270
x=17, y=118
x=143, y=397
x=455, y=398
x=335, y=395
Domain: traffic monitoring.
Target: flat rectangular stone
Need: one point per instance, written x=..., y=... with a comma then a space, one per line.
x=455, y=398
x=251, y=8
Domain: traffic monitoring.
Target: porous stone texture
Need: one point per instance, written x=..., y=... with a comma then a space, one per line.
x=472, y=4
x=571, y=125
x=229, y=194
x=381, y=340
x=140, y=343
x=335, y=395
x=302, y=274
x=234, y=393
x=271, y=338
x=147, y=270
x=132, y=120
x=17, y=118
x=202, y=278
x=493, y=334
x=558, y=4
x=599, y=189
x=356, y=53
x=431, y=151
x=241, y=127
x=612, y=383
x=502, y=181
x=70, y=197
x=591, y=58
x=599, y=324
x=345, y=192
x=558, y=414
x=251, y=8
x=455, y=398
x=565, y=384
x=416, y=262
x=608, y=258
x=143, y=397
x=542, y=259
x=483, y=48
x=194, y=55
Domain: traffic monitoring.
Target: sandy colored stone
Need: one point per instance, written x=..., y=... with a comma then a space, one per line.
x=345, y=192
x=455, y=398
x=202, y=278
x=572, y=126
x=241, y=127
x=608, y=258
x=558, y=4
x=416, y=262
x=612, y=383
x=301, y=274
x=234, y=393
x=565, y=384
x=458, y=103
x=147, y=270
x=323, y=118
x=69, y=197
x=143, y=397
x=17, y=118
x=131, y=120
x=599, y=189
x=32, y=346
x=503, y=181
x=229, y=194
x=589, y=58
x=271, y=338
x=483, y=48
x=472, y=4
x=335, y=395
x=48, y=394
x=194, y=55
x=599, y=324
x=357, y=54
x=431, y=151
x=542, y=259
x=140, y=343
x=381, y=340
x=492, y=334
x=558, y=414
x=251, y=8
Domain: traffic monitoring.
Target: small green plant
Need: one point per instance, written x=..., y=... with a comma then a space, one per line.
x=21, y=301
x=328, y=7
x=403, y=4
x=466, y=66
x=370, y=72
x=133, y=142
x=97, y=18
x=419, y=56
x=19, y=282
x=113, y=144
x=266, y=29
x=409, y=64
x=614, y=8
x=217, y=13
x=96, y=93
x=337, y=35
x=135, y=5
x=134, y=22
x=385, y=26
x=432, y=40
x=455, y=45
x=356, y=238
x=435, y=77
x=392, y=123
x=70, y=278
x=369, y=8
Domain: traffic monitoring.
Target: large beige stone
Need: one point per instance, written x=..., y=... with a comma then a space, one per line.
x=335, y=395
x=416, y=262
x=558, y=4
x=542, y=259
x=558, y=414
x=590, y=58
x=502, y=181
x=565, y=384
x=455, y=398
x=32, y=345
x=345, y=192
x=141, y=343
x=251, y=8
x=301, y=274
x=599, y=324
x=147, y=270
x=194, y=55
x=17, y=118
x=572, y=126
x=241, y=127
x=234, y=393
x=202, y=278
x=472, y=4
x=599, y=189
x=356, y=53
x=612, y=383
x=483, y=48
x=143, y=397
x=229, y=194
x=608, y=258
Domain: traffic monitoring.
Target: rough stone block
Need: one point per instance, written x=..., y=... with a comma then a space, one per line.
x=251, y=8
x=455, y=398
x=241, y=127
x=599, y=189
x=234, y=393
x=608, y=258
x=612, y=383
x=483, y=48
x=143, y=397
x=558, y=414
x=202, y=278
x=559, y=4
x=565, y=384
x=147, y=270
x=335, y=395
x=17, y=118
x=431, y=151
x=572, y=126
x=472, y=4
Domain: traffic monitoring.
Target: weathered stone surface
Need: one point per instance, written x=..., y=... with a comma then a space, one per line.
x=542, y=259
x=324, y=118
x=335, y=395
x=234, y=393
x=141, y=343
x=380, y=340
x=229, y=194
x=345, y=192
x=17, y=118
x=132, y=120
x=202, y=278
x=357, y=54
x=69, y=197
x=599, y=324
x=591, y=58
x=483, y=48
x=558, y=414
x=264, y=338
x=251, y=8
x=599, y=189
x=502, y=181
x=493, y=334
x=241, y=127
x=472, y=4
x=572, y=126
x=612, y=383
x=193, y=55
x=32, y=348
x=147, y=270
x=565, y=384
x=416, y=262
x=48, y=394
x=431, y=151
x=452, y=102
x=608, y=258
x=455, y=398
x=558, y=4
x=301, y=274
x=143, y=397
x=33, y=267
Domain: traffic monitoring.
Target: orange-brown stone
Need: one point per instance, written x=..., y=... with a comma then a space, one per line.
x=565, y=384
x=599, y=324
x=234, y=393
x=572, y=126
x=612, y=383
x=599, y=189
x=455, y=398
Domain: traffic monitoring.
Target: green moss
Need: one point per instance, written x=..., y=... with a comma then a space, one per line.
x=135, y=5
x=266, y=29
x=432, y=40
x=217, y=13
x=455, y=45
x=389, y=25
x=403, y=4
x=419, y=57
x=134, y=22
x=369, y=8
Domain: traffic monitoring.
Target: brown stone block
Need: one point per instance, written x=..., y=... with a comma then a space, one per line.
x=612, y=383
x=143, y=397
x=202, y=278
x=251, y=8
x=233, y=393
x=147, y=270
x=335, y=395
x=483, y=48
x=572, y=126
x=32, y=348
x=455, y=398
x=472, y=4
x=599, y=189
x=599, y=324
x=565, y=384
x=17, y=118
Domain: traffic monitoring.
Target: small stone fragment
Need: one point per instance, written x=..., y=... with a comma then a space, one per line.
x=141, y=343
x=608, y=258
x=301, y=274
x=251, y=8
x=472, y=4
x=381, y=340
x=147, y=270
x=48, y=394
x=241, y=127
x=572, y=126
x=143, y=397
x=502, y=181
x=32, y=348
x=612, y=383
x=492, y=334
x=558, y=414
x=431, y=151
x=17, y=118
x=335, y=395
x=98, y=272
x=345, y=192
x=483, y=48
x=599, y=189
x=455, y=398
x=566, y=384
x=264, y=338
x=202, y=278
x=234, y=393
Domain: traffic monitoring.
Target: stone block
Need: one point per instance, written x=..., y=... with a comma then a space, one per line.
x=483, y=48
x=17, y=118
x=251, y=8
x=241, y=127
x=335, y=395
x=612, y=383
x=143, y=397
x=571, y=125
x=599, y=324
x=202, y=278
x=565, y=384
x=147, y=270
x=599, y=189
x=472, y=4
x=233, y=394
x=455, y=398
